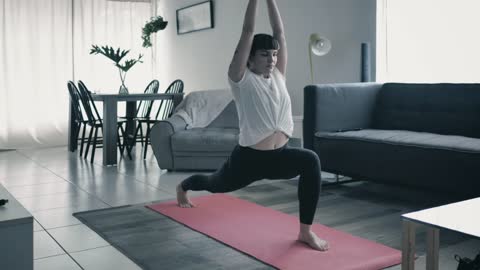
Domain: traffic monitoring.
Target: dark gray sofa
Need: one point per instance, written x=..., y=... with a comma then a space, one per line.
x=177, y=148
x=421, y=135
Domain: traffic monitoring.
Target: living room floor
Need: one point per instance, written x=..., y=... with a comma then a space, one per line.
x=53, y=183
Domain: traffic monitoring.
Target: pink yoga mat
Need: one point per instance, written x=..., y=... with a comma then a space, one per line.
x=270, y=235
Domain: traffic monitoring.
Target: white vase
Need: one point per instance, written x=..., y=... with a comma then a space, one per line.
x=123, y=90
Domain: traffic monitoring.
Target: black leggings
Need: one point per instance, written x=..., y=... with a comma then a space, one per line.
x=247, y=165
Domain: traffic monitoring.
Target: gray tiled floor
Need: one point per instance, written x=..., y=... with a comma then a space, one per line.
x=53, y=183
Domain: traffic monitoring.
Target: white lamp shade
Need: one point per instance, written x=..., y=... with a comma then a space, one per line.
x=319, y=45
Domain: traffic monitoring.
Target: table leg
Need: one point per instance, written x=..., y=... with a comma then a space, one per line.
x=110, y=132
x=131, y=113
x=433, y=239
x=408, y=245
x=72, y=142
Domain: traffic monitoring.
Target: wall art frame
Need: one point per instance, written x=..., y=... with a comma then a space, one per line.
x=195, y=17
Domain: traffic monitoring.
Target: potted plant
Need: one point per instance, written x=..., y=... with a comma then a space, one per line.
x=117, y=56
x=154, y=25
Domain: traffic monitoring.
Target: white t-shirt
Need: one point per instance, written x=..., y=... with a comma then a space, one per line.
x=263, y=106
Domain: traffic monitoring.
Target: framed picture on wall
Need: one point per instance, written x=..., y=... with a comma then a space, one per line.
x=195, y=17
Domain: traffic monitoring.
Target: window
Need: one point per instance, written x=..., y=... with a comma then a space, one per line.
x=428, y=41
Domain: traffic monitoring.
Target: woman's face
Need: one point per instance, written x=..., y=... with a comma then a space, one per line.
x=263, y=62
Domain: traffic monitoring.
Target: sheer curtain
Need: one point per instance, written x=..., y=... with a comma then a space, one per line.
x=428, y=41
x=36, y=62
x=113, y=23
x=43, y=44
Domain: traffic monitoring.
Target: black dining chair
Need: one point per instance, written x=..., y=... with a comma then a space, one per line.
x=80, y=121
x=165, y=110
x=96, y=124
x=142, y=114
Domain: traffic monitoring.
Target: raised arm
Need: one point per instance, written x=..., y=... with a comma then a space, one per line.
x=278, y=34
x=242, y=52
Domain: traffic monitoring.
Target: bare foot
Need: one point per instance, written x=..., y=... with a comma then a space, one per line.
x=182, y=198
x=311, y=239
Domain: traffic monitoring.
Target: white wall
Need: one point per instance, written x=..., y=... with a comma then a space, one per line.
x=201, y=58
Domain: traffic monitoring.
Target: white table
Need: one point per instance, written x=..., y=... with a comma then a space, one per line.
x=460, y=217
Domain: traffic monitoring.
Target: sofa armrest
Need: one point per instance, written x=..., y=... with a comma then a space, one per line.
x=335, y=107
x=160, y=138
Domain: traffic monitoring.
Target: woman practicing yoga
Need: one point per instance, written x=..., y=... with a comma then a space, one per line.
x=257, y=79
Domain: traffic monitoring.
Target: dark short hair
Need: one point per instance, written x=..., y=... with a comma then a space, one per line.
x=264, y=42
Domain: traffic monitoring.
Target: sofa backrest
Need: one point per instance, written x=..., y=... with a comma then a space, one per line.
x=228, y=118
x=337, y=106
x=450, y=109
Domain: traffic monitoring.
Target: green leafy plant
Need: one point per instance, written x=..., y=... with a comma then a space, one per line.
x=154, y=25
x=117, y=56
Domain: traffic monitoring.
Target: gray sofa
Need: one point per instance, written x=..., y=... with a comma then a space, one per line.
x=178, y=148
x=420, y=135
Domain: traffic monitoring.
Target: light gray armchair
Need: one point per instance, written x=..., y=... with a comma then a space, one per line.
x=178, y=148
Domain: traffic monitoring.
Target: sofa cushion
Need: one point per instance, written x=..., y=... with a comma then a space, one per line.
x=409, y=138
x=449, y=109
x=437, y=162
x=205, y=139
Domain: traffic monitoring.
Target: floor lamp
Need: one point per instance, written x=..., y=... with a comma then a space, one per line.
x=319, y=46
